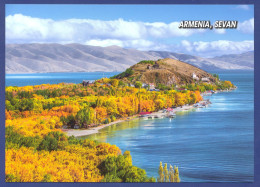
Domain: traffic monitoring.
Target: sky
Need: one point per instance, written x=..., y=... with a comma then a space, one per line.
x=142, y=27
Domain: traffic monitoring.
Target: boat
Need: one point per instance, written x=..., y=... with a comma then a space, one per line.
x=171, y=115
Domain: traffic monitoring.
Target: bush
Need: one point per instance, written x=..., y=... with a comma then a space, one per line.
x=120, y=169
x=146, y=62
x=14, y=139
x=127, y=73
x=11, y=178
x=113, y=118
x=162, y=87
x=138, y=84
x=53, y=141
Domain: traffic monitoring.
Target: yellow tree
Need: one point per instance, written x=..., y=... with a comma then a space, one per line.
x=171, y=174
x=166, y=173
x=180, y=99
x=114, y=82
x=160, y=172
x=176, y=175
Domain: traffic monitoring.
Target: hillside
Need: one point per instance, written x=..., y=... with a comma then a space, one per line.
x=165, y=71
x=42, y=58
x=244, y=59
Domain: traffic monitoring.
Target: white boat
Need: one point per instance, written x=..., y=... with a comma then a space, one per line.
x=171, y=115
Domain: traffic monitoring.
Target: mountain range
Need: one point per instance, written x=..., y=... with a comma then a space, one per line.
x=42, y=58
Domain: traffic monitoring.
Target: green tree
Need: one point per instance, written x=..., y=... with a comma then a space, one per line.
x=47, y=178
x=83, y=117
x=135, y=174
x=120, y=169
x=138, y=84
x=53, y=141
x=11, y=178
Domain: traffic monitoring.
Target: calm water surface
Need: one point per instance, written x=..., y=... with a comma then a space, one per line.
x=213, y=144
x=53, y=78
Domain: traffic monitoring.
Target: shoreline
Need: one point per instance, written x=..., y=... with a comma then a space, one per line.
x=95, y=130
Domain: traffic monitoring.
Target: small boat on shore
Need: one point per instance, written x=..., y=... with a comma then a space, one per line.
x=158, y=116
x=171, y=114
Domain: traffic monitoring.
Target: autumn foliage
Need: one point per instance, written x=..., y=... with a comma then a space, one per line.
x=38, y=151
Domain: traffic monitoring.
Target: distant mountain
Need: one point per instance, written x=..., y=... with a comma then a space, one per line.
x=208, y=64
x=244, y=59
x=33, y=58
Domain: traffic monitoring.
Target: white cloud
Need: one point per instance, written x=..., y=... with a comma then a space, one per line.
x=127, y=34
x=197, y=48
x=187, y=45
x=220, y=31
x=20, y=28
x=104, y=43
x=246, y=26
x=137, y=44
x=243, y=7
x=215, y=48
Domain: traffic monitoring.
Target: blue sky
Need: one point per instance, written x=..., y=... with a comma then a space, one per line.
x=143, y=27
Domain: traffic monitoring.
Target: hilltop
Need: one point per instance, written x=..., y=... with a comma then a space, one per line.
x=164, y=71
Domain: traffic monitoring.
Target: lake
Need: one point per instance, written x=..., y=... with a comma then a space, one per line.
x=213, y=144
x=53, y=78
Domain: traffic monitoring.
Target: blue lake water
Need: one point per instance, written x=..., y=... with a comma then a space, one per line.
x=213, y=144
x=53, y=78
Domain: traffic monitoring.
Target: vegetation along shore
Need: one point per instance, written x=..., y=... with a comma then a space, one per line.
x=38, y=118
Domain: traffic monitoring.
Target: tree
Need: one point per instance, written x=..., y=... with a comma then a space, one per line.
x=216, y=76
x=84, y=117
x=176, y=175
x=171, y=174
x=120, y=169
x=228, y=84
x=135, y=174
x=101, y=113
x=128, y=158
x=180, y=99
x=160, y=172
x=138, y=84
x=114, y=82
x=168, y=176
x=166, y=173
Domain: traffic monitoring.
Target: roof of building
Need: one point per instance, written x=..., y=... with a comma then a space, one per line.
x=144, y=113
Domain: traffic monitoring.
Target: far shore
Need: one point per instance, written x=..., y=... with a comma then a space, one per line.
x=94, y=130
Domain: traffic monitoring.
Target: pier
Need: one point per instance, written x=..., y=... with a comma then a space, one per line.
x=172, y=112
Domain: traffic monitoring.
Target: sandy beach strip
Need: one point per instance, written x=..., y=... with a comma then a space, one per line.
x=85, y=132
x=94, y=130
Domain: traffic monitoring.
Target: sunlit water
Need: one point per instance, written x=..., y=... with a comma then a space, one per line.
x=213, y=144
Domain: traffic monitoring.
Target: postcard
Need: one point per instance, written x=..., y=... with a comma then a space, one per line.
x=129, y=93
